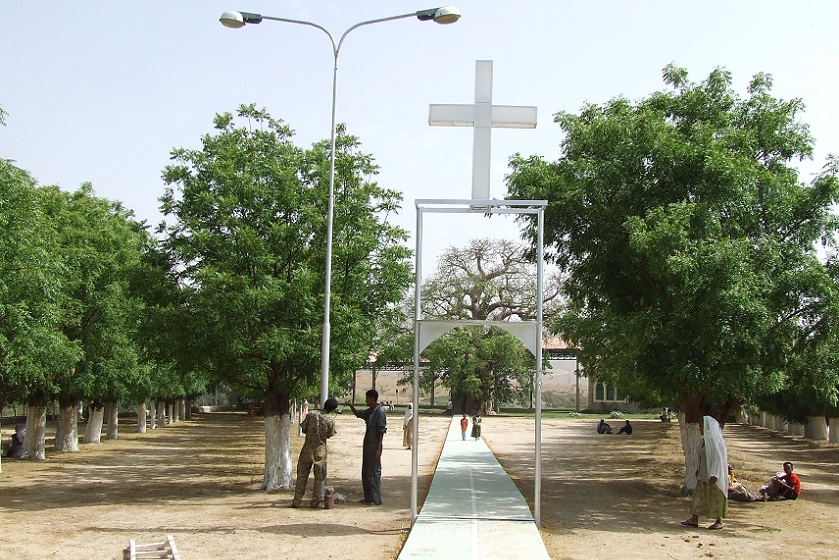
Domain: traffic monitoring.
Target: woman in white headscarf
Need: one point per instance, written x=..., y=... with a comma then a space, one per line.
x=711, y=495
x=408, y=427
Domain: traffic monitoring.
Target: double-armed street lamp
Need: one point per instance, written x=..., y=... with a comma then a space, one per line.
x=444, y=15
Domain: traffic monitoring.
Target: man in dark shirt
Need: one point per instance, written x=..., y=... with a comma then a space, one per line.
x=371, y=465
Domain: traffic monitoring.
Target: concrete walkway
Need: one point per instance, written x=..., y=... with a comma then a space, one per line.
x=473, y=509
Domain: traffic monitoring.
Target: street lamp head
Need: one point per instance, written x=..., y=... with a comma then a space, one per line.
x=235, y=20
x=443, y=16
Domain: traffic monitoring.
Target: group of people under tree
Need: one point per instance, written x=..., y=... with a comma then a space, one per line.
x=604, y=428
x=319, y=426
x=715, y=483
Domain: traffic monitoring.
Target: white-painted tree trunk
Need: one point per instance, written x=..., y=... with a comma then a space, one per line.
x=682, y=424
x=277, y=452
x=113, y=421
x=93, y=431
x=171, y=407
x=161, y=414
x=764, y=419
x=691, y=439
x=36, y=429
x=67, y=432
x=176, y=411
x=780, y=424
x=815, y=428
x=187, y=409
x=141, y=417
x=182, y=404
x=833, y=436
x=153, y=414
x=794, y=429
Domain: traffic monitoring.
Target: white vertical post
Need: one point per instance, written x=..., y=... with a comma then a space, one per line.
x=415, y=397
x=537, y=499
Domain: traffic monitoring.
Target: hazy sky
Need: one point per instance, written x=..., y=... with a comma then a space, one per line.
x=102, y=91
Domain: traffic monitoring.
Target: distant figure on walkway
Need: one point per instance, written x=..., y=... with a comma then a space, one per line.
x=711, y=495
x=665, y=415
x=318, y=427
x=464, y=426
x=371, y=462
x=304, y=410
x=603, y=427
x=626, y=429
x=449, y=407
x=408, y=427
x=785, y=485
x=476, y=426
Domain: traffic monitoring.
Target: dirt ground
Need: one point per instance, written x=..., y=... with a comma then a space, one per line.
x=602, y=496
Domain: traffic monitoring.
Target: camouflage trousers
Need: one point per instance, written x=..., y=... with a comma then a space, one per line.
x=305, y=465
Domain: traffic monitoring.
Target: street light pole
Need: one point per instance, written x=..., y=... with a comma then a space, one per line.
x=233, y=19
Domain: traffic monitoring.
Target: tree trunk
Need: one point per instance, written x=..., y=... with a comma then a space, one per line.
x=188, y=409
x=176, y=411
x=35, y=440
x=93, y=432
x=833, y=436
x=277, y=443
x=67, y=432
x=170, y=405
x=161, y=413
x=691, y=445
x=141, y=417
x=113, y=421
x=152, y=414
x=763, y=419
x=815, y=428
x=795, y=429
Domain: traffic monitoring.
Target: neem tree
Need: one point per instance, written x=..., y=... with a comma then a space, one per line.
x=690, y=243
x=248, y=239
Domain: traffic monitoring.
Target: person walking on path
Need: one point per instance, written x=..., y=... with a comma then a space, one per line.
x=318, y=428
x=464, y=426
x=476, y=426
x=408, y=427
x=711, y=495
x=371, y=462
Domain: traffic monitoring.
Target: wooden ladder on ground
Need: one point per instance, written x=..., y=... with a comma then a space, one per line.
x=165, y=549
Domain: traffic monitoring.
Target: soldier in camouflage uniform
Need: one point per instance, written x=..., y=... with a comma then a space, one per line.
x=318, y=427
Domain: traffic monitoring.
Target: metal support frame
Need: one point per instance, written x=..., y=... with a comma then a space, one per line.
x=532, y=339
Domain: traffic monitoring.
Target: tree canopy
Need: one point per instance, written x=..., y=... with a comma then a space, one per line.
x=247, y=247
x=691, y=245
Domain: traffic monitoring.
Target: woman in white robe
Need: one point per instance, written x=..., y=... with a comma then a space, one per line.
x=711, y=495
x=408, y=427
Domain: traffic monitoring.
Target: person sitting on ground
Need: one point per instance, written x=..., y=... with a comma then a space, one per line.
x=16, y=449
x=785, y=485
x=626, y=429
x=738, y=492
x=603, y=427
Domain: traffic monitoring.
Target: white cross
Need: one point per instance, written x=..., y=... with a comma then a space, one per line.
x=483, y=116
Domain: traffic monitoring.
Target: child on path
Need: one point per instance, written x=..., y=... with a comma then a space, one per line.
x=464, y=426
